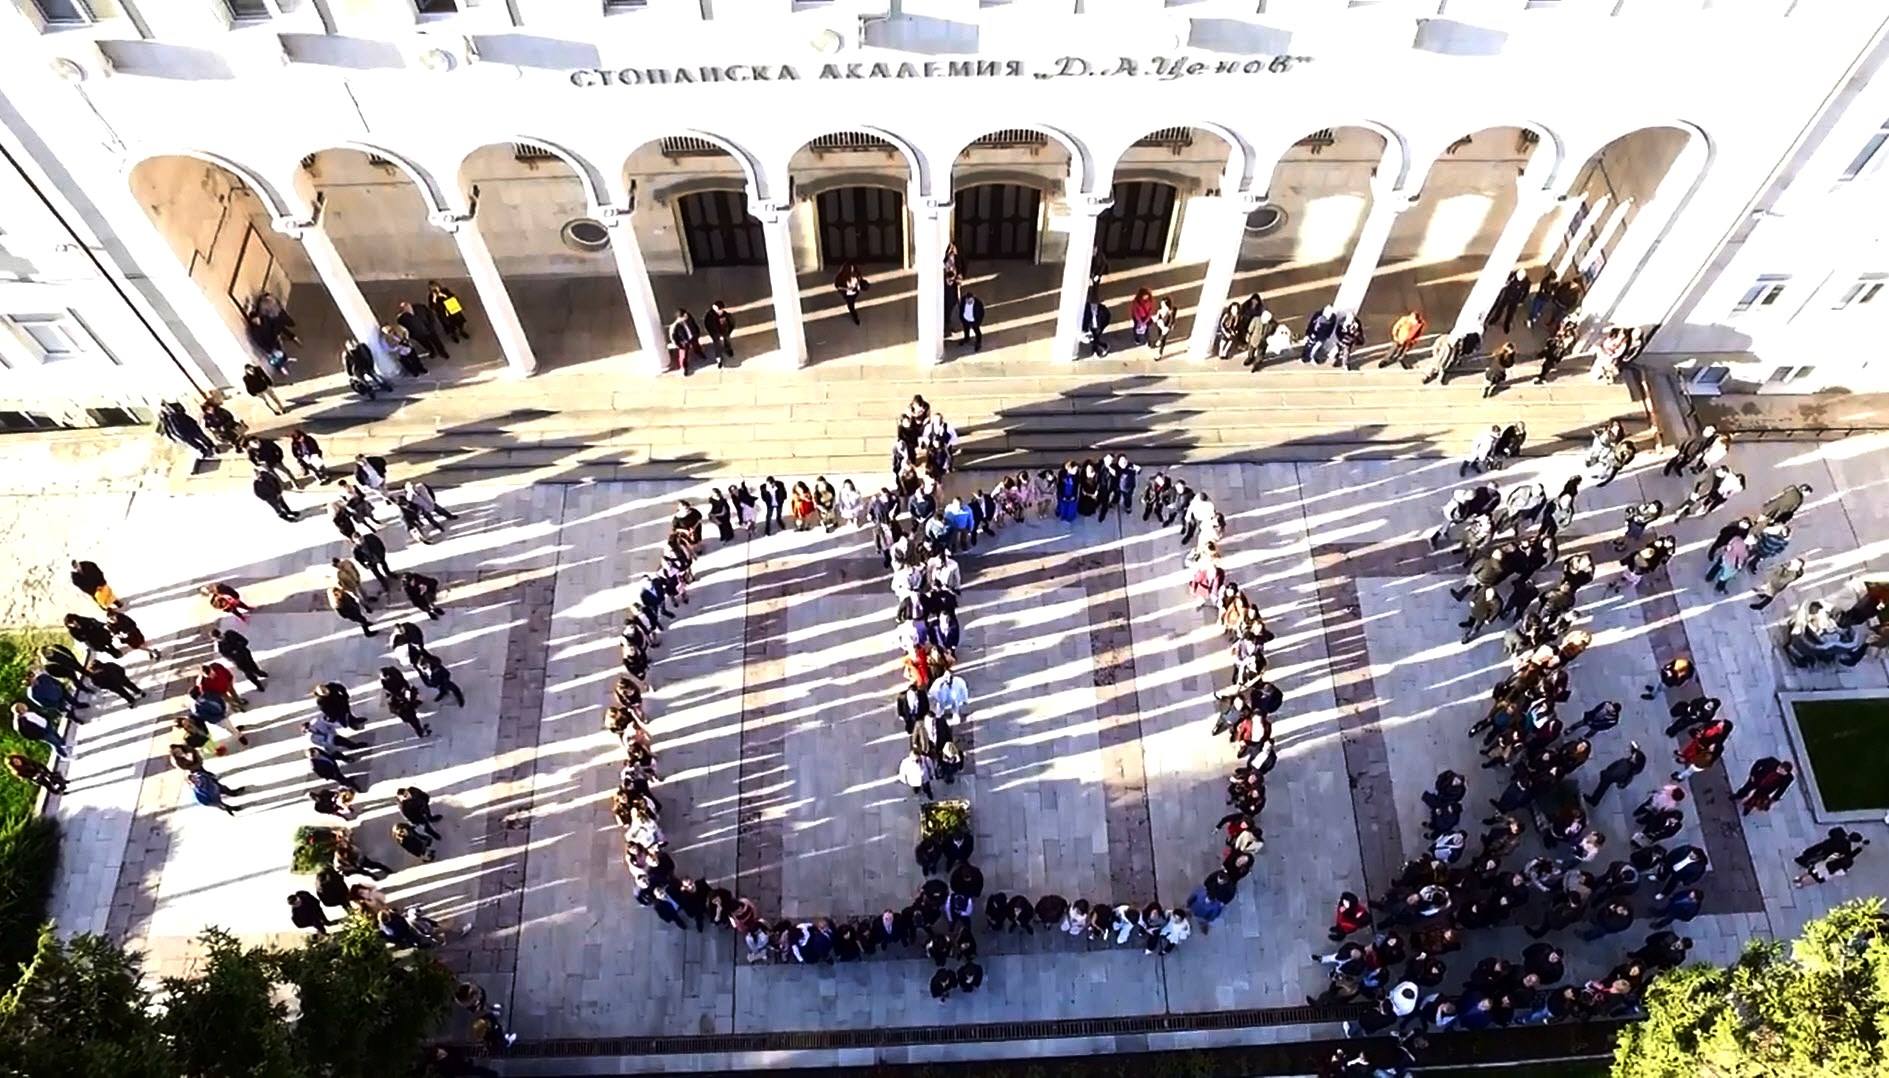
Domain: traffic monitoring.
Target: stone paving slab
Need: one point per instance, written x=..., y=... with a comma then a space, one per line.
x=1092, y=771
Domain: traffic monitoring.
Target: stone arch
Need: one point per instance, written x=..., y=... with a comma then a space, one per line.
x=1081, y=162
x=917, y=168
x=272, y=199
x=812, y=188
x=978, y=177
x=751, y=173
x=432, y=195
x=1393, y=168
x=1546, y=174
x=587, y=173
x=1237, y=172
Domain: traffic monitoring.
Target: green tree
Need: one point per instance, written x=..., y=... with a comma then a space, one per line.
x=226, y=1021
x=364, y=1010
x=1817, y=1007
x=80, y=1010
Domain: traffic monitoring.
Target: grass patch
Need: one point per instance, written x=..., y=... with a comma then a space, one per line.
x=19, y=650
x=1847, y=741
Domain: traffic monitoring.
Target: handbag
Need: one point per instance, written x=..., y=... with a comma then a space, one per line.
x=452, y=305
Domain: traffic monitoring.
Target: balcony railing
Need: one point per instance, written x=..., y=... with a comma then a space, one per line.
x=1012, y=139
x=851, y=142
x=1172, y=138
x=690, y=147
x=1319, y=141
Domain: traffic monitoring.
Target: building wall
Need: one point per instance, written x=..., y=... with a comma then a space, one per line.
x=48, y=282
x=1746, y=76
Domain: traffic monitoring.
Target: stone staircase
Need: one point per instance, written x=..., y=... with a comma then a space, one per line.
x=840, y=420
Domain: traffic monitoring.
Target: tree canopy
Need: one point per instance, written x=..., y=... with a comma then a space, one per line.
x=1817, y=1006
x=338, y=1006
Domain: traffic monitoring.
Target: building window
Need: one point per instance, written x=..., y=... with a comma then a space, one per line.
x=63, y=12
x=623, y=5
x=1865, y=290
x=1762, y=294
x=436, y=7
x=248, y=10
x=53, y=336
x=1265, y=220
x=586, y=234
x=1862, y=160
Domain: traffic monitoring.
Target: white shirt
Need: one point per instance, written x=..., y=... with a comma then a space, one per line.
x=914, y=770
x=969, y=312
x=949, y=693
x=1201, y=509
x=946, y=574
x=1178, y=929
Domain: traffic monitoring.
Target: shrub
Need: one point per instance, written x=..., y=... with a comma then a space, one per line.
x=936, y=819
x=29, y=855
x=314, y=847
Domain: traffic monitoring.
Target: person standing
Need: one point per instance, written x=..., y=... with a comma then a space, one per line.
x=1508, y=301
x=258, y=384
x=90, y=579
x=1497, y=373
x=970, y=315
x=1767, y=781
x=851, y=284
x=112, y=678
x=1141, y=314
x=773, y=497
x=209, y=790
x=35, y=727
x=348, y=608
x=916, y=772
x=721, y=329
x=423, y=327
x=448, y=311
x=421, y=497
x=1095, y=324
x=423, y=592
x=1544, y=297
x=305, y=912
x=685, y=340
x=1163, y=326
x=179, y=426
x=954, y=274
x=371, y=552
x=268, y=490
x=1405, y=332
x=435, y=675
x=1783, y=505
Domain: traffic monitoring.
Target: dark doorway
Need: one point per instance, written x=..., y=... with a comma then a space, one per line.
x=1136, y=226
x=996, y=221
x=862, y=224
x=720, y=232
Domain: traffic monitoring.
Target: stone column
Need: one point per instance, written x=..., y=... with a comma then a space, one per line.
x=1503, y=258
x=931, y=228
x=339, y=281
x=494, y=298
x=1083, y=211
x=652, y=336
x=782, y=278
x=1218, y=284
x=1368, y=251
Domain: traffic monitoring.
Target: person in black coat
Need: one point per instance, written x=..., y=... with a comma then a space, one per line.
x=721, y=329
x=970, y=314
x=268, y=490
x=435, y=675
x=357, y=362
x=305, y=912
x=92, y=633
x=423, y=327
x=234, y=646
x=1095, y=323
x=685, y=340
x=423, y=592
x=371, y=552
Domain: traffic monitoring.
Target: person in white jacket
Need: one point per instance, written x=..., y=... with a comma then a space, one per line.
x=949, y=697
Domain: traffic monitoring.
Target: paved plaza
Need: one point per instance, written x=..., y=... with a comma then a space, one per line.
x=1091, y=769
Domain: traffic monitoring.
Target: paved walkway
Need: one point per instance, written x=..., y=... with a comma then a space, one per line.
x=1092, y=772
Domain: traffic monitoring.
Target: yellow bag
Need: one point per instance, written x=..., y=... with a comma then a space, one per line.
x=105, y=597
x=452, y=305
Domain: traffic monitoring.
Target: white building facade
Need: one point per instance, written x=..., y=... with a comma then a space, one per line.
x=220, y=148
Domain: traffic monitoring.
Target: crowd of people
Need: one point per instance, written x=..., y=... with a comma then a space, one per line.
x=1393, y=947
x=207, y=728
